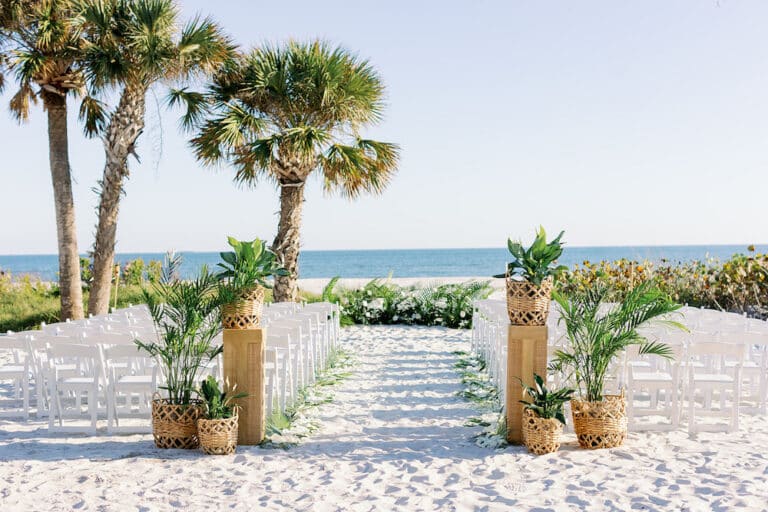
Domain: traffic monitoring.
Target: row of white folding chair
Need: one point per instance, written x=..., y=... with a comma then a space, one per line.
x=704, y=363
x=110, y=376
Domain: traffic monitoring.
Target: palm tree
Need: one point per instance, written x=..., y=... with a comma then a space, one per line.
x=42, y=48
x=132, y=45
x=282, y=113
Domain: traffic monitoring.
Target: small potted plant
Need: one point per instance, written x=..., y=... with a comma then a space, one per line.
x=186, y=318
x=530, y=278
x=599, y=333
x=217, y=428
x=243, y=279
x=543, y=417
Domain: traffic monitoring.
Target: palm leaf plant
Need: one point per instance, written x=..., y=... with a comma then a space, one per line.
x=599, y=332
x=284, y=113
x=186, y=317
x=544, y=403
x=43, y=49
x=130, y=47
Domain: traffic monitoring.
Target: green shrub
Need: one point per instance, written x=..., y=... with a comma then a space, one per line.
x=378, y=302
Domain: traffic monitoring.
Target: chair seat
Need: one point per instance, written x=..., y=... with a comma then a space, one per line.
x=134, y=379
x=713, y=377
x=746, y=365
x=78, y=381
x=11, y=370
x=651, y=377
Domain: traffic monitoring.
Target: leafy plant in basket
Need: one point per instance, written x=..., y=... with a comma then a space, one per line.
x=218, y=404
x=543, y=416
x=530, y=277
x=599, y=332
x=244, y=275
x=218, y=428
x=186, y=318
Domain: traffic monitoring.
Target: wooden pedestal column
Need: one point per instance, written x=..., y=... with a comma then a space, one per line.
x=244, y=366
x=526, y=355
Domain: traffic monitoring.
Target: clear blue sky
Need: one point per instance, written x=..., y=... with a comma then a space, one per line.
x=624, y=123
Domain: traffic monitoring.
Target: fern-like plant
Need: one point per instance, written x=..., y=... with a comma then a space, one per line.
x=544, y=403
x=599, y=332
x=186, y=315
x=218, y=404
x=537, y=262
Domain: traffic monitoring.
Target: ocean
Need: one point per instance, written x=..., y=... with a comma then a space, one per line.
x=406, y=262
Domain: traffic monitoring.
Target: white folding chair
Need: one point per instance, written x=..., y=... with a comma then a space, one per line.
x=86, y=383
x=130, y=375
x=712, y=375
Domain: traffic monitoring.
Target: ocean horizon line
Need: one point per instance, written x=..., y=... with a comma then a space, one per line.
x=566, y=247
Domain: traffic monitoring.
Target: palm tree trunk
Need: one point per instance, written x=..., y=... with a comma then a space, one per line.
x=125, y=126
x=286, y=243
x=69, y=258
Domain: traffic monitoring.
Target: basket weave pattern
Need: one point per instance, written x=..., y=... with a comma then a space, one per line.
x=541, y=435
x=528, y=304
x=600, y=424
x=218, y=437
x=244, y=313
x=175, y=426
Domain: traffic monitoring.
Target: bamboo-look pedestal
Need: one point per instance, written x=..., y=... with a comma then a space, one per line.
x=244, y=366
x=526, y=355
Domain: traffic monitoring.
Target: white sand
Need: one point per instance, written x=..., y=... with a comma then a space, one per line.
x=393, y=440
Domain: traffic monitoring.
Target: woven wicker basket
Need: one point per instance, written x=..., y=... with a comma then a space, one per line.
x=600, y=424
x=528, y=304
x=541, y=435
x=218, y=437
x=244, y=313
x=175, y=426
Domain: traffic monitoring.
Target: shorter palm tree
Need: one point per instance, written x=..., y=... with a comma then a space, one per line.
x=284, y=113
x=599, y=332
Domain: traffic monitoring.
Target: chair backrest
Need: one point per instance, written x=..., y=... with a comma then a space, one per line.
x=87, y=359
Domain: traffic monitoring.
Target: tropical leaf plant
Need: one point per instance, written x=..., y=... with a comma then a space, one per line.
x=545, y=403
x=599, y=332
x=537, y=262
x=248, y=264
x=186, y=315
x=218, y=403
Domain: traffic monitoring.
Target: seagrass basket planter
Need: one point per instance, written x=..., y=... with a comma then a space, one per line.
x=244, y=313
x=175, y=426
x=600, y=424
x=218, y=437
x=541, y=435
x=528, y=304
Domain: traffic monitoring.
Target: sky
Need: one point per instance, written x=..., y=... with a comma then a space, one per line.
x=622, y=123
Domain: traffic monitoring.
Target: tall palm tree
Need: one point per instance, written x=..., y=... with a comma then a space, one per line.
x=132, y=45
x=42, y=48
x=282, y=113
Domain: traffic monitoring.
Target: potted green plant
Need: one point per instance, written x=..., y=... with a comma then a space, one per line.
x=599, y=332
x=243, y=277
x=186, y=317
x=543, y=416
x=217, y=428
x=530, y=278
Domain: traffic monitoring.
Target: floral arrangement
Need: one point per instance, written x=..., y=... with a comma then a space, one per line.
x=381, y=302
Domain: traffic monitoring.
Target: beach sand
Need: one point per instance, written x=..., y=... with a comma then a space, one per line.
x=394, y=438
